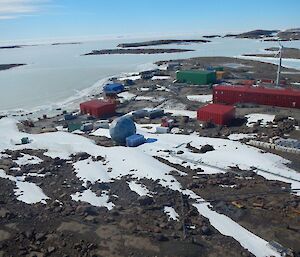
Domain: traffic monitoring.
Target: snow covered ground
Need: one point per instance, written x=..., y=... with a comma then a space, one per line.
x=254, y=117
x=240, y=136
x=144, y=89
x=139, y=163
x=26, y=192
x=191, y=114
x=162, y=88
x=200, y=98
x=160, y=77
x=126, y=96
x=28, y=159
x=149, y=98
x=130, y=77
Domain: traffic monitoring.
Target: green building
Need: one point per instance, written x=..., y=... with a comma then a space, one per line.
x=196, y=77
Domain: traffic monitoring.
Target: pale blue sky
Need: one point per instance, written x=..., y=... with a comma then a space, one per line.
x=36, y=19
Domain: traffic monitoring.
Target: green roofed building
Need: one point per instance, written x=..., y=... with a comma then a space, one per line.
x=196, y=77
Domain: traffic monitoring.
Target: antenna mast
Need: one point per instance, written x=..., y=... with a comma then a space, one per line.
x=279, y=64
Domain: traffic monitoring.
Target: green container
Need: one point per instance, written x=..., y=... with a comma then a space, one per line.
x=196, y=77
x=74, y=126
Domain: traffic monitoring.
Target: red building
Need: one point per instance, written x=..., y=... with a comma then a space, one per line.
x=98, y=108
x=216, y=113
x=283, y=97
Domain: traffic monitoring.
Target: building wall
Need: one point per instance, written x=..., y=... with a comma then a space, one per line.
x=98, y=112
x=197, y=78
x=216, y=118
x=263, y=98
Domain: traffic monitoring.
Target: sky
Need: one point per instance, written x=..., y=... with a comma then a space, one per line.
x=46, y=19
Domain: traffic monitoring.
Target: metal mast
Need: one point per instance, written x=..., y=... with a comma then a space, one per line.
x=279, y=64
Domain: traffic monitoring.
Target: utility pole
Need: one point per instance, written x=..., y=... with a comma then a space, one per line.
x=279, y=65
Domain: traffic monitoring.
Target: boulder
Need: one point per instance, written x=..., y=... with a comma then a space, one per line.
x=207, y=148
x=145, y=200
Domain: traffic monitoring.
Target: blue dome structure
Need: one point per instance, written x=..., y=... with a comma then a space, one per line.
x=121, y=128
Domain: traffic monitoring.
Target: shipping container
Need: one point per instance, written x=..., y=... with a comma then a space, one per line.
x=114, y=88
x=216, y=113
x=196, y=77
x=87, y=127
x=157, y=113
x=282, y=97
x=162, y=130
x=98, y=108
x=70, y=116
x=140, y=114
x=167, y=122
x=101, y=124
x=74, y=126
x=135, y=140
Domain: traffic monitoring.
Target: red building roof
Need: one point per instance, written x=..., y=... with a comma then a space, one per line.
x=260, y=90
x=217, y=108
x=96, y=103
x=98, y=108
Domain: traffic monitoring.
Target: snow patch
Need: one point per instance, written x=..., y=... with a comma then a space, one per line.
x=28, y=159
x=91, y=198
x=172, y=214
x=191, y=114
x=226, y=226
x=144, y=89
x=132, y=77
x=101, y=132
x=149, y=98
x=200, y=98
x=254, y=117
x=160, y=77
x=126, y=96
x=240, y=136
x=140, y=189
x=89, y=170
x=26, y=192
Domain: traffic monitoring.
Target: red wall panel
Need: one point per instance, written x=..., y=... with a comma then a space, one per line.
x=234, y=95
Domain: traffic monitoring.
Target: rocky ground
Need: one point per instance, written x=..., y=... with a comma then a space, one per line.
x=66, y=228
x=269, y=35
x=289, y=53
x=137, y=225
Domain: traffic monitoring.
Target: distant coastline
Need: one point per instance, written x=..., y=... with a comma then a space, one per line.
x=71, y=43
x=133, y=48
x=162, y=42
x=10, y=66
x=287, y=53
x=269, y=35
x=11, y=47
x=137, y=51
